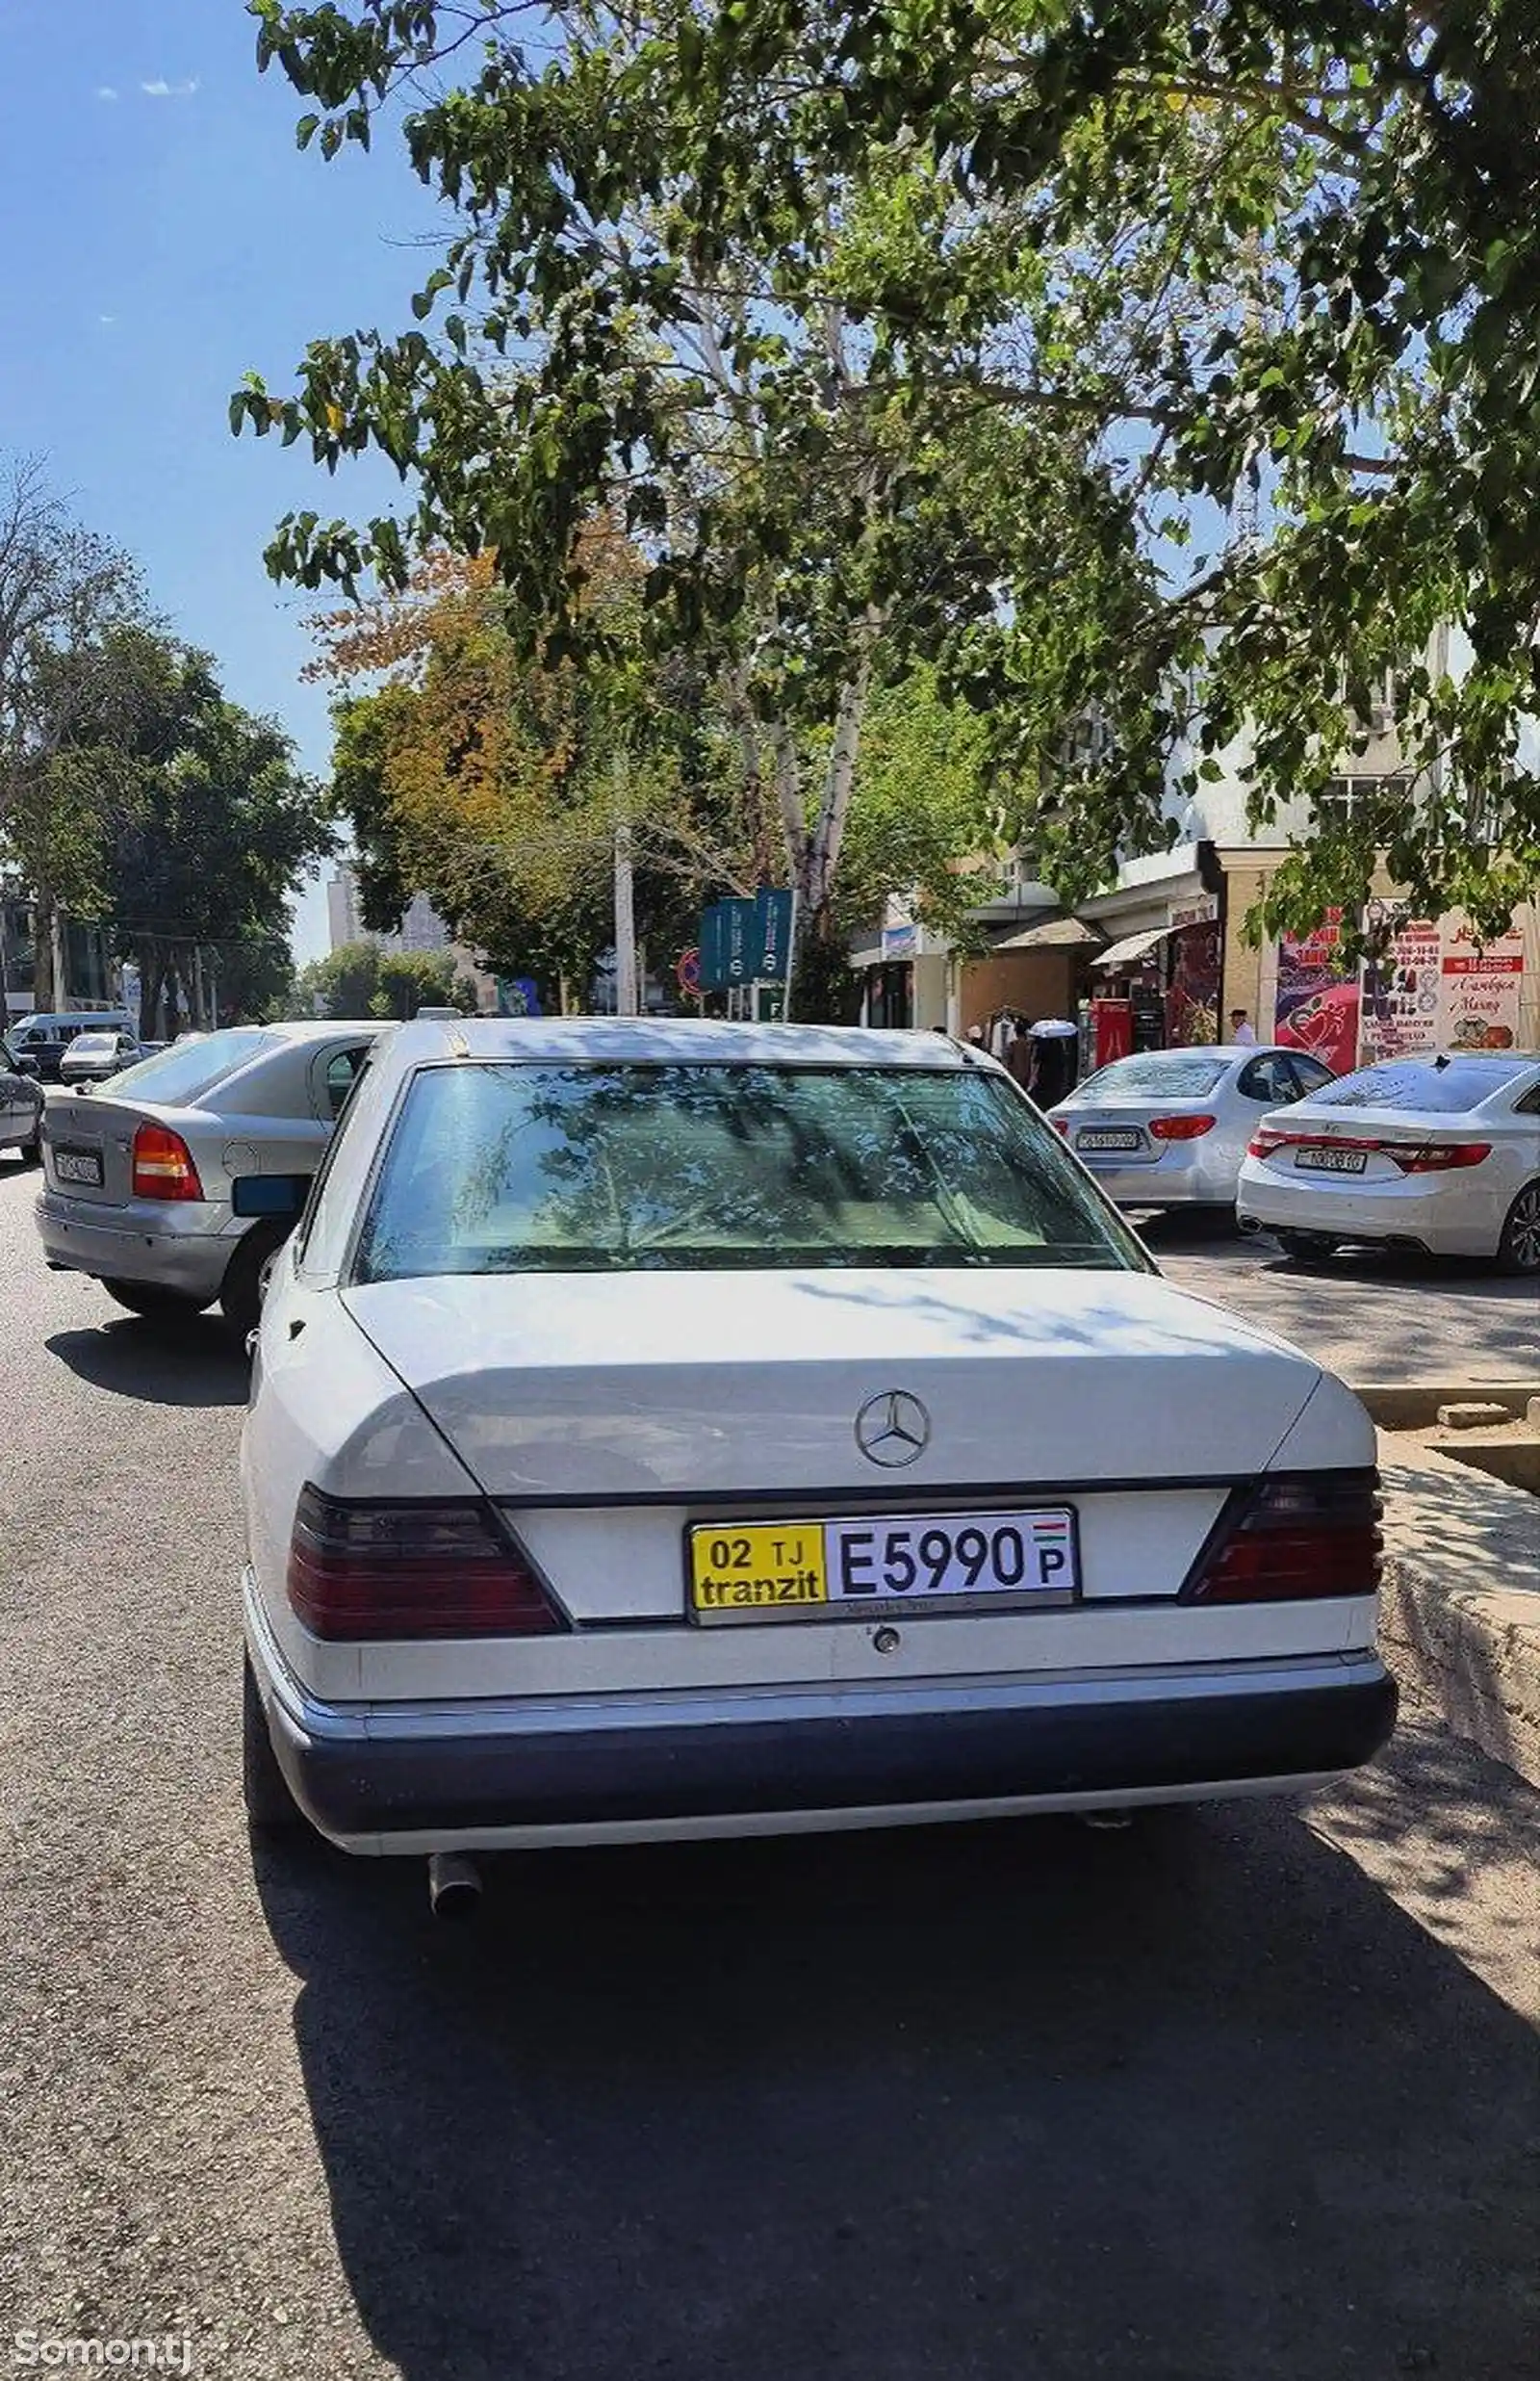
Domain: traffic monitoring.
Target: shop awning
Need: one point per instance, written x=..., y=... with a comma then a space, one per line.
x=1136, y=946
x=1058, y=934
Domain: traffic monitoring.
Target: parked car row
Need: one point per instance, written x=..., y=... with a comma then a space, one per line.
x=1440, y=1154
x=665, y=1430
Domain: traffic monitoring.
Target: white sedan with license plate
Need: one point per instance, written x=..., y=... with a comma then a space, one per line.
x=1438, y=1155
x=1169, y=1129
x=668, y=1430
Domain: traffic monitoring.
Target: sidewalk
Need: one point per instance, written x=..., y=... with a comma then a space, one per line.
x=1461, y=1616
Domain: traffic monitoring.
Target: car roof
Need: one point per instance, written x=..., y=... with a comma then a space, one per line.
x=314, y=1028
x=681, y=1039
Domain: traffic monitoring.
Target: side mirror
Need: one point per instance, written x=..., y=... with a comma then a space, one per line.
x=24, y=1065
x=269, y=1193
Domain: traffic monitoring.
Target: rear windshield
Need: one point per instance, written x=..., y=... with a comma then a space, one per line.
x=177, y=1076
x=93, y=1044
x=511, y=1169
x=1159, y=1075
x=1402, y=1083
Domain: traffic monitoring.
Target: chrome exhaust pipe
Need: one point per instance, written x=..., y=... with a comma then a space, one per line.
x=454, y=1884
x=1248, y=1225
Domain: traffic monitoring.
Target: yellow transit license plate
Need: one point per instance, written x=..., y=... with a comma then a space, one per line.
x=766, y=1571
x=768, y=1566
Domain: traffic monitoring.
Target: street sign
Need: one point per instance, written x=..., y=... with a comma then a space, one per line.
x=773, y=918
x=746, y=941
x=688, y=972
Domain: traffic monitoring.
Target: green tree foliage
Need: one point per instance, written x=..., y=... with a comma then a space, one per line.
x=206, y=854
x=71, y=693
x=495, y=783
x=791, y=285
x=131, y=791
x=360, y=979
x=817, y=507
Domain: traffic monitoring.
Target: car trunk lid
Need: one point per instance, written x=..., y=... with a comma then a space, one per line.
x=89, y=1148
x=605, y=1414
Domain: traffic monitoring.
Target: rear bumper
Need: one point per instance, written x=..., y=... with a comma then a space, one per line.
x=1413, y=1210
x=411, y=1777
x=1179, y=1179
x=167, y=1250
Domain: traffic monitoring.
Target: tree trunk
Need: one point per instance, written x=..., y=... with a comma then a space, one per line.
x=821, y=981
x=47, y=990
x=149, y=987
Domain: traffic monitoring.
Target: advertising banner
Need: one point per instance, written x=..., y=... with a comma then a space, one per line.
x=1193, y=996
x=1400, y=1011
x=1479, y=990
x=1316, y=1003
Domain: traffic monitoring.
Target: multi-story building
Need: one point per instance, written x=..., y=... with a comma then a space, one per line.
x=1167, y=940
x=84, y=974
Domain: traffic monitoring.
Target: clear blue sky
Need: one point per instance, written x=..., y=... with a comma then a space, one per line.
x=161, y=234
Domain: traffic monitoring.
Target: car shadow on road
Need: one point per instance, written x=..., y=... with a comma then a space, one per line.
x=191, y=1364
x=1191, y=2101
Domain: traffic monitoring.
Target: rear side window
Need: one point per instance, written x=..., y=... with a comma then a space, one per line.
x=180, y=1076
x=1448, y=1090
x=342, y=1069
x=1270, y=1077
x=511, y=1169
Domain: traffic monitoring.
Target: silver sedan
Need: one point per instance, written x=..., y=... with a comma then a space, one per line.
x=174, y=1184
x=1169, y=1129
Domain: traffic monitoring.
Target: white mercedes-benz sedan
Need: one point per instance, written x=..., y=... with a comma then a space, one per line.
x=671, y=1429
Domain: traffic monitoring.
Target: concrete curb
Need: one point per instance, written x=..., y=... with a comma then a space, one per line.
x=1413, y=1405
x=1460, y=1622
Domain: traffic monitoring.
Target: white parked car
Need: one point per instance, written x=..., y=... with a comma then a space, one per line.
x=664, y=1429
x=1169, y=1129
x=96, y=1057
x=1441, y=1156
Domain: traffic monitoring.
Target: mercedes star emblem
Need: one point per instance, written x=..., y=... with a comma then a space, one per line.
x=892, y=1429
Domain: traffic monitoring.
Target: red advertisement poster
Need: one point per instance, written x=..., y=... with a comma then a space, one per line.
x=1401, y=995
x=1479, y=991
x=1316, y=1004
x=1193, y=996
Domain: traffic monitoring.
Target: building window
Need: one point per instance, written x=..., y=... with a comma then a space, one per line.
x=85, y=965
x=17, y=958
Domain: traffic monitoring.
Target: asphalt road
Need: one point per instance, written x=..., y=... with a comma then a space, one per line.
x=1249, y=2095
x=1368, y=1315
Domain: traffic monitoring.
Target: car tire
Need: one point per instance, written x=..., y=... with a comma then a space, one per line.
x=270, y=1807
x=1305, y=1248
x=155, y=1305
x=31, y=1151
x=240, y=1298
x=1519, y=1249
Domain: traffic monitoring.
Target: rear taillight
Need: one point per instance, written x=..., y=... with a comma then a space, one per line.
x=1060, y=1123
x=1181, y=1127
x=411, y=1571
x=1303, y=1534
x=1411, y=1157
x=163, y=1165
x=1440, y=1156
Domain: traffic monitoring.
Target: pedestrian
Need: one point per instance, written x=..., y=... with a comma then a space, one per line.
x=1241, y=1030
x=1021, y=1054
